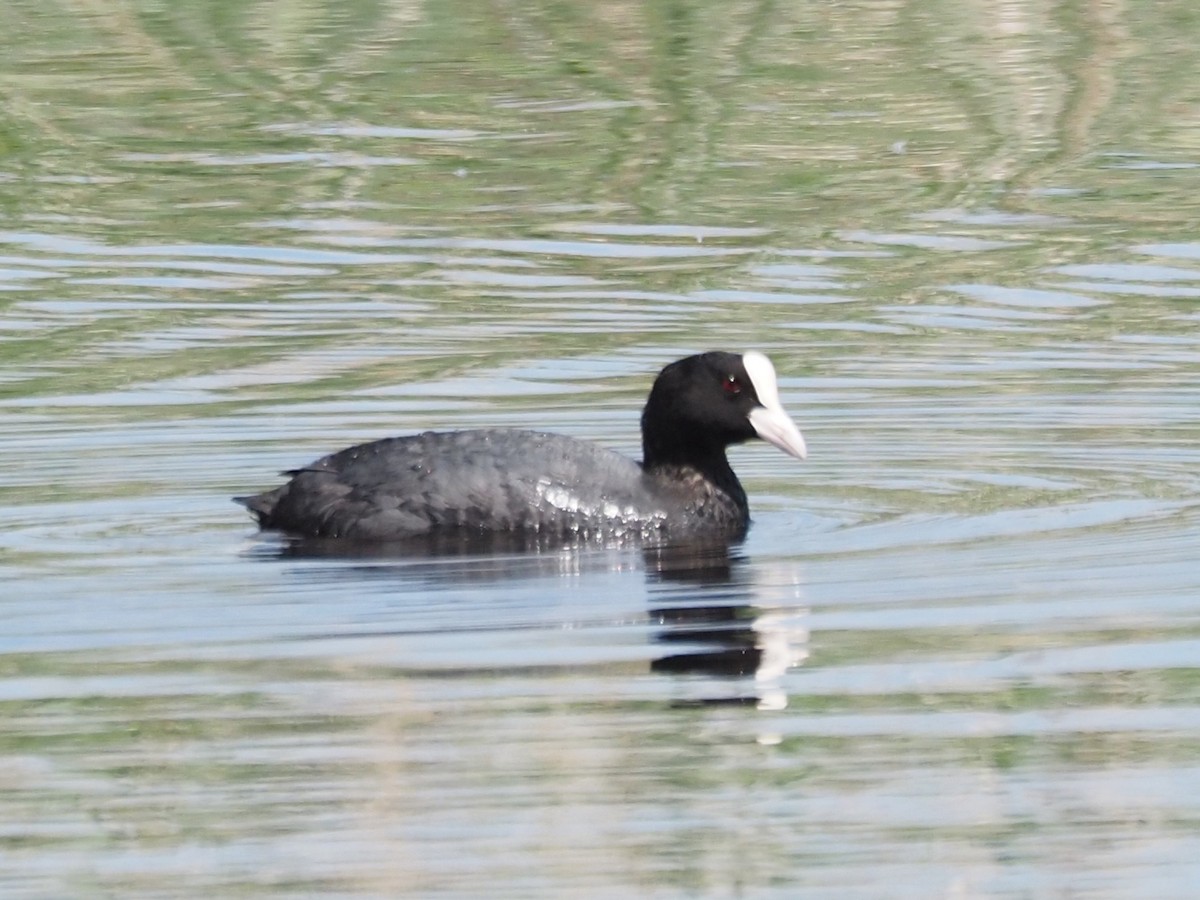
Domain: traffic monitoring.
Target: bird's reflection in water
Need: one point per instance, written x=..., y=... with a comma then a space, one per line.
x=736, y=625
x=721, y=615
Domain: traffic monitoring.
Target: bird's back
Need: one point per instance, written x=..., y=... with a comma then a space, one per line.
x=484, y=480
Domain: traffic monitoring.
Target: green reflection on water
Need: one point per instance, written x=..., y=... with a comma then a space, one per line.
x=395, y=169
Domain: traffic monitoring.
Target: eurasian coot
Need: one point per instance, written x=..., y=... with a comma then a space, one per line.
x=508, y=481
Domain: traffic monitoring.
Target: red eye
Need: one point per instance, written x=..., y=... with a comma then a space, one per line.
x=732, y=386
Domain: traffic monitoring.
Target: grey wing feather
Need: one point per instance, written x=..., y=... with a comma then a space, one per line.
x=479, y=480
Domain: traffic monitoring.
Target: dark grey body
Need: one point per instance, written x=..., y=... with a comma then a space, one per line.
x=455, y=489
x=501, y=480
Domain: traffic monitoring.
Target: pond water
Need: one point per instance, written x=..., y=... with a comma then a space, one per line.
x=958, y=654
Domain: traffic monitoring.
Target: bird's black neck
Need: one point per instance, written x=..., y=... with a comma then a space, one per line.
x=708, y=462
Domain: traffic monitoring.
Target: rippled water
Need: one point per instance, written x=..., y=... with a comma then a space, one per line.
x=956, y=656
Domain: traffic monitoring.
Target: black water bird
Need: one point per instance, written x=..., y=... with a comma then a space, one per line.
x=549, y=486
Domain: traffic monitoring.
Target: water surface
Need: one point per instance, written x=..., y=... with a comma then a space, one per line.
x=956, y=655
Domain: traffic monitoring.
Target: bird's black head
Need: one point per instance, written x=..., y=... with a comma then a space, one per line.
x=702, y=404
